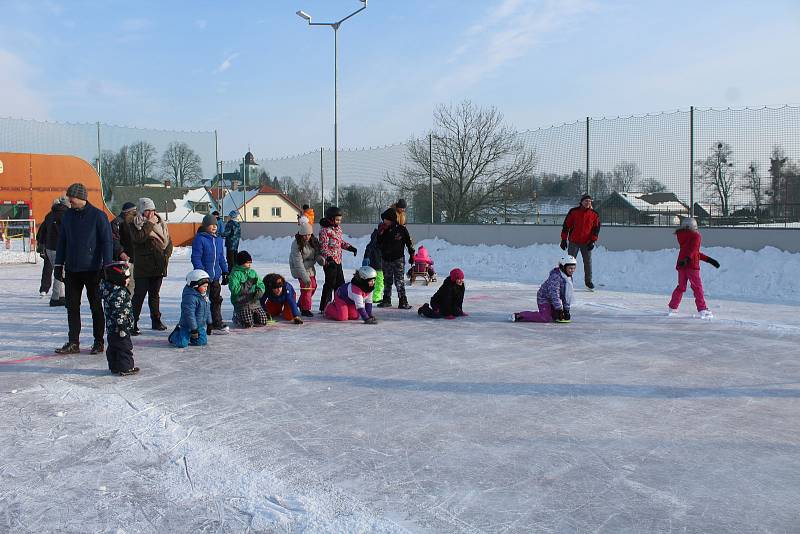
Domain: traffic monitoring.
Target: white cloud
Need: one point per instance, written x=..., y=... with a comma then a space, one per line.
x=136, y=24
x=18, y=98
x=226, y=64
x=507, y=31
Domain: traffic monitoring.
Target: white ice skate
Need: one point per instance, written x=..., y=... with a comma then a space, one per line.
x=513, y=318
x=671, y=312
x=706, y=315
x=42, y=294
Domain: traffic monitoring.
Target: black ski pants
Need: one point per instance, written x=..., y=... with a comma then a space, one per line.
x=215, y=296
x=119, y=353
x=334, y=277
x=151, y=287
x=74, y=284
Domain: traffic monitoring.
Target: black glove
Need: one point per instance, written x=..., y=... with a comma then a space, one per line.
x=590, y=246
x=563, y=244
x=683, y=263
x=195, y=334
x=58, y=273
x=712, y=261
x=224, y=281
x=370, y=320
x=354, y=250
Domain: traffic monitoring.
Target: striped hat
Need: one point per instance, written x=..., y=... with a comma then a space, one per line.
x=77, y=190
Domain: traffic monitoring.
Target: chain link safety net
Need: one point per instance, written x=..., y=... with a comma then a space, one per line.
x=732, y=167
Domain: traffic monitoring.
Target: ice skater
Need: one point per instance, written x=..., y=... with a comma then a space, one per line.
x=448, y=301
x=118, y=311
x=554, y=297
x=353, y=300
x=688, y=267
x=195, y=312
x=279, y=298
x=393, y=238
x=331, y=244
x=303, y=257
x=246, y=290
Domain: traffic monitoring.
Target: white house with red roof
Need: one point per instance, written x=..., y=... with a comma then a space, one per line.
x=264, y=204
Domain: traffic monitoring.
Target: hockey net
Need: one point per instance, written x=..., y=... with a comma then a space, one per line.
x=18, y=241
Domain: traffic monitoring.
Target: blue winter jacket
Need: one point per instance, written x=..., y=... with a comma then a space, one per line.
x=554, y=291
x=195, y=310
x=208, y=253
x=288, y=295
x=85, y=242
x=232, y=234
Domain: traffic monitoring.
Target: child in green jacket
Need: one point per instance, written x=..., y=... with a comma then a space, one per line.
x=246, y=290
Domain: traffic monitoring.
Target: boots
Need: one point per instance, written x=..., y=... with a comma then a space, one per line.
x=135, y=330
x=385, y=303
x=97, y=347
x=69, y=348
x=158, y=325
x=403, y=304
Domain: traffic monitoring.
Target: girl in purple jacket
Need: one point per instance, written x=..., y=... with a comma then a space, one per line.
x=554, y=297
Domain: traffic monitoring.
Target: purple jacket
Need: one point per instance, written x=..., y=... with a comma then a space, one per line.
x=356, y=296
x=553, y=291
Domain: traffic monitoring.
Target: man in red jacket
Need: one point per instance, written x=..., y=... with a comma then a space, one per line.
x=581, y=227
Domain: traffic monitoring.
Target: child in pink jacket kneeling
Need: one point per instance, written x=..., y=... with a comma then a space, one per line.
x=353, y=300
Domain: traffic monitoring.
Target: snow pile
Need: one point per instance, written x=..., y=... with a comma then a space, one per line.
x=768, y=275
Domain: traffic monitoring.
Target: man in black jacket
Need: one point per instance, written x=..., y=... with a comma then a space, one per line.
x=47, y=239
x=392, y=238
x=84, y=247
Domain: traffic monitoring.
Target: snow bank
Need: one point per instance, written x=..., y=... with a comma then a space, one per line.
x=767, y=275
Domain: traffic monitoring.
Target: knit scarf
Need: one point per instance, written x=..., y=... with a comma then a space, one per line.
x=569, y=289
x=159, y=234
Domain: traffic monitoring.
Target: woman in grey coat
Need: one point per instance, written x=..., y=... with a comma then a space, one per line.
x=304, y=254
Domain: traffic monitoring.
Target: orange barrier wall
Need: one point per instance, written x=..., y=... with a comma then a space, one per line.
x=37, y=179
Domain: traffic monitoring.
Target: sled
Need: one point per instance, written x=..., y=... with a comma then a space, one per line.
x=420, y=270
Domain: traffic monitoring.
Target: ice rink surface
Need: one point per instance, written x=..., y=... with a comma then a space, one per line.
x=624, y=420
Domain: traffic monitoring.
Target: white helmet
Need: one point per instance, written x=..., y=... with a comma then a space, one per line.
x=366, y=273
x=197, y=278
x=689, y=223
x=567, y=260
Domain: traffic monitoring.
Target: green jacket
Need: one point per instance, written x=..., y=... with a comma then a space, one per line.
x=246, y=287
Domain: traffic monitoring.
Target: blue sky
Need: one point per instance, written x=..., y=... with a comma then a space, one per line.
x=259, y=75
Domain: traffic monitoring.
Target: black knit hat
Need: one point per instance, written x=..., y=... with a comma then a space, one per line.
x=401, y=203
x=333, y=211
x=586, y=196
x=128, y=206
x=243, y=257
x=77, y=190
x=389, y=215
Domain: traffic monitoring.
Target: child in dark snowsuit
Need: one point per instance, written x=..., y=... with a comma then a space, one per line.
x=393, y=237
x=119, y=318
x=688, y=267
x=554, y=297
x=279, y=298
x=246, y=290
x=195, y=312
x=448, y=300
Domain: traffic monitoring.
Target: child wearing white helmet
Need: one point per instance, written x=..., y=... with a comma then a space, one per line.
x=353, y=300
x=195, y=312
x=688, y=267
x=554, y=297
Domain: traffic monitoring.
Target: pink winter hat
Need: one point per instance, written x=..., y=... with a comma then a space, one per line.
x=456, y=274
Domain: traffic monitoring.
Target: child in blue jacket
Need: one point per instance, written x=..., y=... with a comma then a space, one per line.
x=195, y=312
x=208, y=254
x=279, y=298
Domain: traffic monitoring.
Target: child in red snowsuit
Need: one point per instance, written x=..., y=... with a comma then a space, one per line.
x=688, y=267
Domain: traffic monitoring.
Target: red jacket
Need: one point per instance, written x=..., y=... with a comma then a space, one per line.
x=581, y=226
x=689, y=240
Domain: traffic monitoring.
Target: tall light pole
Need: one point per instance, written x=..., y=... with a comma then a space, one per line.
x=335, y=25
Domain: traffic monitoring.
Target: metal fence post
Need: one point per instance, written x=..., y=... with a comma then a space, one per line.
x=587, y=155
x=99, y=157
x=430, y=170
x=322, y=182
x=691, y=161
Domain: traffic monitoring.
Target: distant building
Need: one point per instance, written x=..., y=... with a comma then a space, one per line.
x=264, y=204
x=173, y=204
x=633, y=208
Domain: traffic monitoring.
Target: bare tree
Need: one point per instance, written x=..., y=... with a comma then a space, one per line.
x=142, y=162
x=651, y=185
x=626, y=175
x=717, y=174
x=754, y=184
x=307, y=191
x=182, y=164
x=473, y=159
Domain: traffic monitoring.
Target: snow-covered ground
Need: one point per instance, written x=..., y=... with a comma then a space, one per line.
x=623, y=420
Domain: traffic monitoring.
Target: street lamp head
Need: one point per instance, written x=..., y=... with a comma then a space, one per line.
x=364, y=2
x=303, y=15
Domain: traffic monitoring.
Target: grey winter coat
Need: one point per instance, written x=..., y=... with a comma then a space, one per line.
x=301, y=261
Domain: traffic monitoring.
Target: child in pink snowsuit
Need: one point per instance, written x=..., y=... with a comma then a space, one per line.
x=688, y=267
x=353, y=300
x=422, y=257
